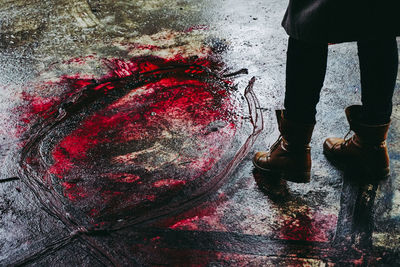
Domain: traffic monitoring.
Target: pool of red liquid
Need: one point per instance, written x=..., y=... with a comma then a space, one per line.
x=160, y=140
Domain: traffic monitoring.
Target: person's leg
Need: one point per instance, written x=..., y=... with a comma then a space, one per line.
x=305, y=74
x=290, y=158
x=366, y=149
x=379, y=62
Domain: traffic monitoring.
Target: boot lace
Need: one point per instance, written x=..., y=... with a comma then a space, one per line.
x=277, y=142
x=346, y=139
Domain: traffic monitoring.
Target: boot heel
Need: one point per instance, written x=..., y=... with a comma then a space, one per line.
x=297, y=177
x=376, y=174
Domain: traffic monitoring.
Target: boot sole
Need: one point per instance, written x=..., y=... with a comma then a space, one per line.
x=291, y=176
x=370, y=173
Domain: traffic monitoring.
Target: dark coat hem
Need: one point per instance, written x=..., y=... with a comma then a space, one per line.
x=336, y=21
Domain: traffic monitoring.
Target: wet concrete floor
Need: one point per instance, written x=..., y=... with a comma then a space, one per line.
x=126, y=137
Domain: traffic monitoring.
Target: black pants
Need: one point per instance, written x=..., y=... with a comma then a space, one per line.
x=305, y=74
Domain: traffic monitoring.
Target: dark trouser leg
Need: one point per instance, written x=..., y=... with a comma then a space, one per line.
x=305, y=74
x=379, y=62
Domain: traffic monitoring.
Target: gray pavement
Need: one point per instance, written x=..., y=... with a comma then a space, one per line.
x=240, y=219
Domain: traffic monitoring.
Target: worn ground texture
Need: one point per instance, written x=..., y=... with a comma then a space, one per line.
x=127, y=130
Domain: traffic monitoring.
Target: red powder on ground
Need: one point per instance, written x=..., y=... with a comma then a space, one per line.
x=192, y=219
x=38, y=106
x=121, y=155
x=308, y=226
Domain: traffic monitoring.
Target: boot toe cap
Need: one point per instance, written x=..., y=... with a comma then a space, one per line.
x=331, y=142
x=260, y=159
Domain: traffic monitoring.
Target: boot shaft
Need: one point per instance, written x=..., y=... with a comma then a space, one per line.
x=295, y=134
x=373, y=135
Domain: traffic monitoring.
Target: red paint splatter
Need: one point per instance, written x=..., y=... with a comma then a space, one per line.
x=120, y=154
x=308, y=226
x=187, y=224
x=38, y=106
x=194, y=219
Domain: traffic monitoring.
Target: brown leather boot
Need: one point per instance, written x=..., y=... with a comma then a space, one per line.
x=366, y=150
x=289, y=157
